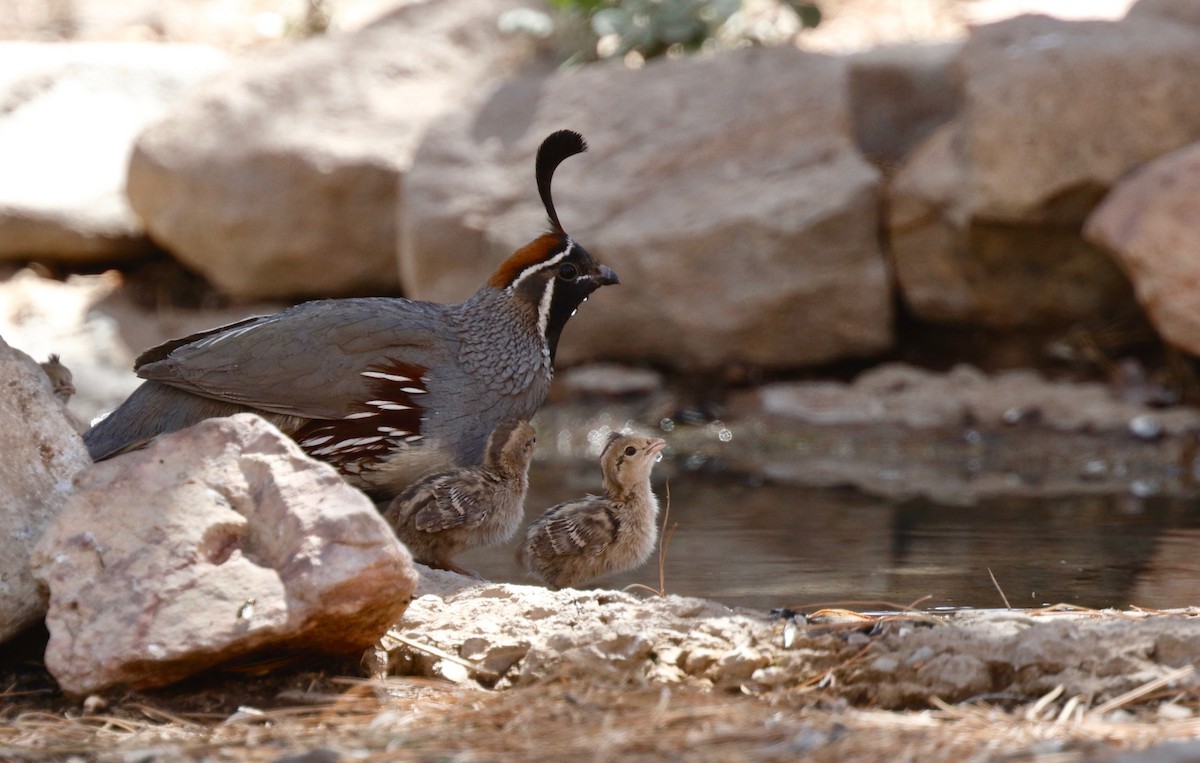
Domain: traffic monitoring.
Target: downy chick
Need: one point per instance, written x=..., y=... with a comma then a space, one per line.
x=60, y=378
x=447, y=512
x=578, y=541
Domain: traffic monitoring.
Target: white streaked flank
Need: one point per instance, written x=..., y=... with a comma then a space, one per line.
x=382, y=375
x=361, y=415
x=389, y=405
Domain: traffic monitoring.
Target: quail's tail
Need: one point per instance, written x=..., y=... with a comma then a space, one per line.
x=151, y=410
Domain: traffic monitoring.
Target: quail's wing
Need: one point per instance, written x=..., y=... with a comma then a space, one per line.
x=457, y=500
x=582, y=527
x=316, y=360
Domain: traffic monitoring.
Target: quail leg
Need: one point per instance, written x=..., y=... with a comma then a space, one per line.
x=450, y=566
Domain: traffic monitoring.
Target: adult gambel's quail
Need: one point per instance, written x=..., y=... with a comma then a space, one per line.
x=580, y=540
x=448, y=512
x=384, y=389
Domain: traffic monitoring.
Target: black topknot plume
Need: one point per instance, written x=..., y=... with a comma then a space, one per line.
x=554, y=149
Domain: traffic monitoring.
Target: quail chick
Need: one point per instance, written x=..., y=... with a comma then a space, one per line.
x=450, y=511
x=60, y=377
x=577, y=541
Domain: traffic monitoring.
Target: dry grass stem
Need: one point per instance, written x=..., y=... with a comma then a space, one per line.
x=664, y=543
x=1000, y=590
x=1142, y=691
x=441, y=654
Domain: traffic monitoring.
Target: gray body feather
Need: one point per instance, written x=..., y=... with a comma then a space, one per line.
x=304, y=365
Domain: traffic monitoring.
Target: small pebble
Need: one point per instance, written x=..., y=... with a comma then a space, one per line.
x=1145, y=427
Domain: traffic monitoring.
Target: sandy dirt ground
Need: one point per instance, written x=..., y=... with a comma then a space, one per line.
x=500, y=672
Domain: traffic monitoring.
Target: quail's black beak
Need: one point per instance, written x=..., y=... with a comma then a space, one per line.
x=605, y=277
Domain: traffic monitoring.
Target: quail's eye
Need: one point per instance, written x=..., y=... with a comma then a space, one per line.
x=630, y=450
x=568, y=272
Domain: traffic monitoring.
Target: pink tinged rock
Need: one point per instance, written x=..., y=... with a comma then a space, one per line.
x=42, y=454
x=214, y=542
x=1149, y=222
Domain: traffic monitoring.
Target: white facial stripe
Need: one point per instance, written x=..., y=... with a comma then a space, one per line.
x=544, y=307
x=546, y=264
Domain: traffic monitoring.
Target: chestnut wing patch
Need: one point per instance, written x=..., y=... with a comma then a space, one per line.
x=388, y=419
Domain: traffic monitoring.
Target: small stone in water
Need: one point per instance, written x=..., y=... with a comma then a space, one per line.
x=1144, y=488
x=1019, y=415
x=1145, y=427
x=1095, y=468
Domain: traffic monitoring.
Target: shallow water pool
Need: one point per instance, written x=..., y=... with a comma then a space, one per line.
x=767, y=546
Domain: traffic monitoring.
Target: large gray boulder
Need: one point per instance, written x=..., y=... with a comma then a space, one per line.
x=210, y=544
x=984, y=215
x=899, y=94
x=1055, y=112
x=726, y=193
x=42, y=454
x=952, y=268
x=69, y=113
x=1151, y=224
x=281, y=177
x=1181, y=11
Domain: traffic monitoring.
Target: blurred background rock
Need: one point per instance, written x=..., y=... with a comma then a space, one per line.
x=892, y=181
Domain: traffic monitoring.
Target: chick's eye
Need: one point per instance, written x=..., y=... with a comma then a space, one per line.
x=568, y=272
x=630, y=450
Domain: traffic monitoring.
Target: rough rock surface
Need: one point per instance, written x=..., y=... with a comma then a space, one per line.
x=42, y=454
x=1149, y=222
x=210, y=544
x=69, y=114
x=1023, y=655
x=1181, y=11
x=515, y=635
x=900, y=394
x=281, y=177
x=1044, y=140
x=955, y=269
x=898, y=95
x=742, y=234
x=956, y=438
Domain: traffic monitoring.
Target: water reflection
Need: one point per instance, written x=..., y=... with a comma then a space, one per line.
x=767, y=546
